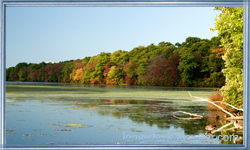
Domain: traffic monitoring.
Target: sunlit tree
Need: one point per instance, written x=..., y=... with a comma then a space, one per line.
x=229, y=25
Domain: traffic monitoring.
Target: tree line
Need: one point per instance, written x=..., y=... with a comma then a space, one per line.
x=194, y=63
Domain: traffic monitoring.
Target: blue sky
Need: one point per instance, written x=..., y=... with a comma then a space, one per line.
x=36, y=34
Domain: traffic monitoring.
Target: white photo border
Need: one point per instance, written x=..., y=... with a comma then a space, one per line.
x=129, y=3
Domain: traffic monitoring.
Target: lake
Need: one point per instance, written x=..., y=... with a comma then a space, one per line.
x=71, y=114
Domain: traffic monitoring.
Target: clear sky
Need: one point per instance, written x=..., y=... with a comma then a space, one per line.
x=36, y=34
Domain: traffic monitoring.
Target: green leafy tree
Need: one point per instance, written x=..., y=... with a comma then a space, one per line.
x=116, y=74
x=30, y=75
x=10, y=73
x=22, y=74
x=66, y=71
x=119, y=57
x=102, y=61
x=86, y=76
x=130, y=69
x=17, y=73
x=141, y=72
x=190, y=41
x=186, y=65
x=229, y=25
x=41, y=73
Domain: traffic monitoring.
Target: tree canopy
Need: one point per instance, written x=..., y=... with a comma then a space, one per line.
x=195, y=62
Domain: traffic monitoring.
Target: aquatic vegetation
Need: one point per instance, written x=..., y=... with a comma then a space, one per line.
x=11, y=101
x=135, y=130
x=76, y=125
x=74, y=94
x=39, y=134
x=9, y=132
x=53, y=124
x=62, y=130
x=50, y=143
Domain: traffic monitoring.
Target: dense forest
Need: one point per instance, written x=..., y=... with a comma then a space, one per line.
x=195, y=63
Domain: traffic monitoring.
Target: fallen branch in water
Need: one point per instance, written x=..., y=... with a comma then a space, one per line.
x=195, y=116
x=230, y=129
x=228, y=105
x=214, y=105
x=235, y=118
x=220, y=129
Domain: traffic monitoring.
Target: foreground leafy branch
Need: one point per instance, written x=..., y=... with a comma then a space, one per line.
x=229, y=25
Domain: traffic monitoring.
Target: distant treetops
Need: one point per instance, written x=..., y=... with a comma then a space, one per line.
x=195, y=62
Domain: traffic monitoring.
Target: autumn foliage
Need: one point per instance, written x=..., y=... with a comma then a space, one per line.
x=217, y=98
x=196, y=62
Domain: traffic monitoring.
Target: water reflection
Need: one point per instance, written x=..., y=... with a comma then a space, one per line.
x=225, y=127
x=160, y=113
x=145, y=116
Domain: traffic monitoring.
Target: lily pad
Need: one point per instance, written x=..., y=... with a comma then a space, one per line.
x=29, y=134
x=76, y=125
x=53, y=124
x=134, y=130
x=39, y=134
x=11, y=101
x=9, y=132
x=63, y=130
x=50, y=143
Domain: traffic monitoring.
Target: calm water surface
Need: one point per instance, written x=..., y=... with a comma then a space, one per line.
x=34, y=121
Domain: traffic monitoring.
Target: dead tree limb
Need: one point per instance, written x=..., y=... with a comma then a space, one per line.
x=214, y=105
x=222, y=127
x=228, y=105
x=235, y=118
x=193, y=116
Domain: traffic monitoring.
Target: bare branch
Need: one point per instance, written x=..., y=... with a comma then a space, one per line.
x=213, y=104
x=228, y=105
x=195, y=116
